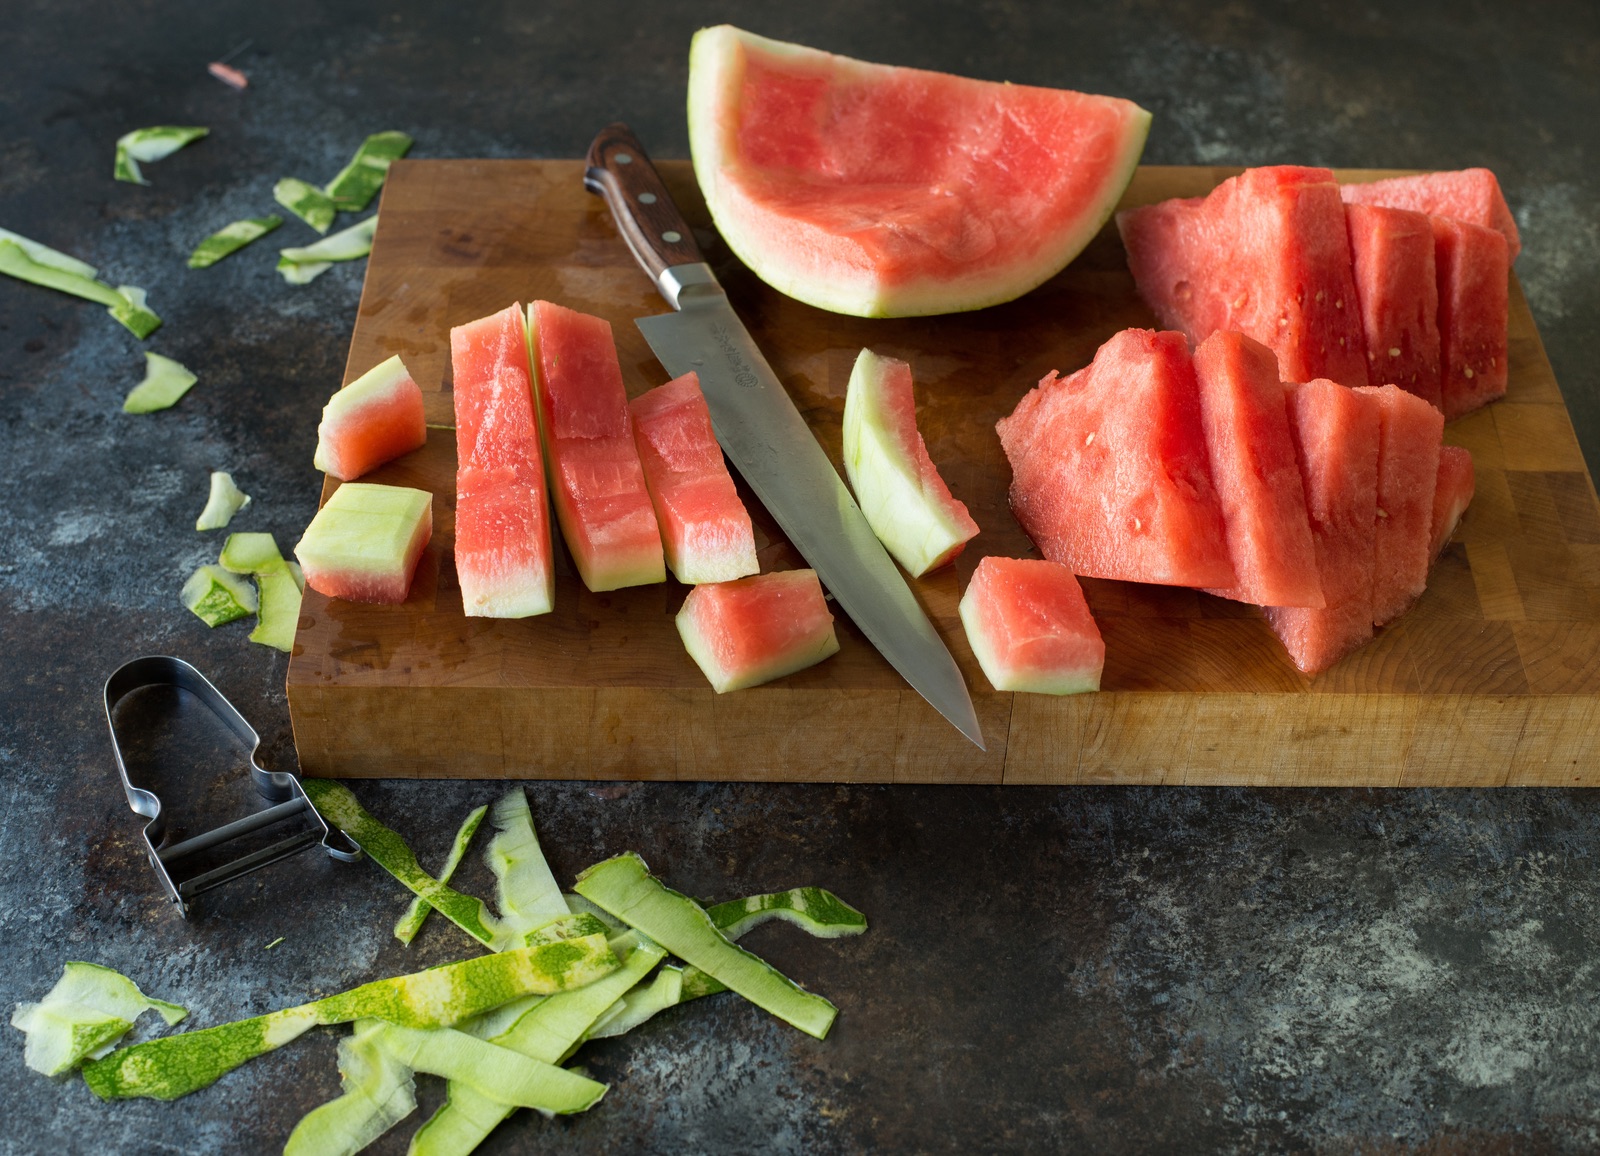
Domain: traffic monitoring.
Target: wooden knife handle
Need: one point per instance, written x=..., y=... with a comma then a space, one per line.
x=650, y=222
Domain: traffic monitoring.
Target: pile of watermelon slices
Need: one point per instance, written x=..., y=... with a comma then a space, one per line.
x=1321, y=503
x=1401, y=281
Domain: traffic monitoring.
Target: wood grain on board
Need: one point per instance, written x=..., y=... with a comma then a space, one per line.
x=1493, y=678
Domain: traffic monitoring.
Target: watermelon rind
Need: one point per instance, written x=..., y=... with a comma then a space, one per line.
x=716, y=67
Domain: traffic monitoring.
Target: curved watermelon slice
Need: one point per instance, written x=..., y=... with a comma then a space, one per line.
x=904, y=499
x=753, y=630
x=1030, y=627
x=895, y=192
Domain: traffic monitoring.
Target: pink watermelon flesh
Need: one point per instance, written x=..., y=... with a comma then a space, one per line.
x=753, y=630
x=1474, y=271
x=1409, y=430
x=1109, y=469
x=1470, y=195
x=1451, y=496
x=1266, y=254
x=386, y=422
x=1245, y=413
x=596, y=480
x=883, y=191
x=1336, y=438
x=503, y=550
x=1398, y=291
x=1030, y=627
x=705, y=529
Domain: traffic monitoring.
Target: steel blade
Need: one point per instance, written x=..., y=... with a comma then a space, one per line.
x=763, y=433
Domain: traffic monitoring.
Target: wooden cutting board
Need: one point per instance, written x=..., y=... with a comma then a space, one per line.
x=1493, y=678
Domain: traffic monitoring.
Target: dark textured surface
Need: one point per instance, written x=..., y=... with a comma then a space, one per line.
x=1119, y=970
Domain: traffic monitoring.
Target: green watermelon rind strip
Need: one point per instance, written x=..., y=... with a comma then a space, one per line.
x=359, y=181
x=89, y=1009
x=305, y=263
x=224, y=499
x=165, y=382
x=217, y=596
x=411, y=922
x=378, y=1091
x=231, y=238
x=527, y=891
x=306, y=201
x=149, y=145
x=624, y=886
x=39, y=265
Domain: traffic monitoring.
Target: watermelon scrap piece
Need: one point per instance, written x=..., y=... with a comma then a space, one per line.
x=895, y=192
x=365, y=542
x=1451, y=496
x=753, y=630
x=1336, y=438
x=1474, y=268
x=1265, y=253
x=1470, y=195
x=1030, y=627
x=1408, y=470
x=502, y=549
x=706, y=532
x=374, y=419
x=898, y=487
x=1109, y=467
x=1245, y=413
x=596, y=479
x=1398, y=291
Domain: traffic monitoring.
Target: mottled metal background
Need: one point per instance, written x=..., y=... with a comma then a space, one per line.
x=1090, y=969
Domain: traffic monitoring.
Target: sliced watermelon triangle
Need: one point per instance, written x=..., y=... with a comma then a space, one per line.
x=1470, y=195
x=1398, y=291
x=1409, y=430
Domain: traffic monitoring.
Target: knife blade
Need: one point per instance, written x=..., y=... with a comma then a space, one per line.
x=762, y=432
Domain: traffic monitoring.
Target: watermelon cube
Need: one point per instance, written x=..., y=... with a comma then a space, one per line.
x=365, y=542
x=374, y=419
x=1109, y=467
x=503, y=551
x=753, y=630
x=1470, y=195
x=1398, y=291
x=596, y=480
x=1474, y=269
x=899, y=489
x=1408, y=469
x=1245, y=413
x=1265, y=253
x=1030, y=627
x=1451, y=495
x=705, y=530
x=1336, y=438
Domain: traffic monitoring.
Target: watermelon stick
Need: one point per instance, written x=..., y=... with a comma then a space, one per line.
x=379, y=1092
x=149, y=145
x=29, y=261
x=88, y=1010
x=624, y=886
x=547, y=1033
x=359, y=181
x=411, y=922
x=308, y=262
x=230, y=239
x=174, y=1066
x=339, y=807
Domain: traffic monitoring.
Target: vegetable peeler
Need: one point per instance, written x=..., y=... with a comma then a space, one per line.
x=147, y=757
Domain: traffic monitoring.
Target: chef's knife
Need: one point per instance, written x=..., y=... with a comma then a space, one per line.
x=762, y=432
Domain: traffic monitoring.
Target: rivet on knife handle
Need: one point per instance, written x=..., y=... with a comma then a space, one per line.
x=650, y=222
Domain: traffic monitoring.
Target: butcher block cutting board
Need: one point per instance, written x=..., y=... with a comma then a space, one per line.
x=1493, y=678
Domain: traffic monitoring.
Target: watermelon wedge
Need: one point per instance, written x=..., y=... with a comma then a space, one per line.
x=1030, y=627
x=896, y=483
x=894, y=192
x=706, y=532
x=374, y=419
x=503, y=550
x=1451, y=496
x=1398, y=291
x=1336, y=438
x=365, y=542
x=1245, y=414
x=1470, y=195
x=596, y=480
x=1265, y=253
x=1474, y=270
x=753, y=630
x=1408, y=469
x=1109, y=467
